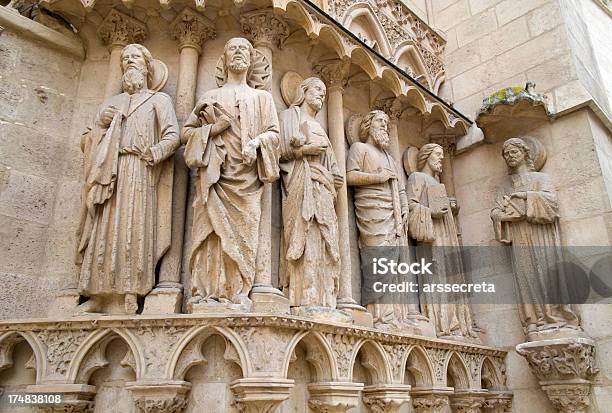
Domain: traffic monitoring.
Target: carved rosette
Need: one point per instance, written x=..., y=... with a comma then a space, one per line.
x=118, y=29
x=192, y=29
x=334, y=74
x=263, y=27
x=565, y=368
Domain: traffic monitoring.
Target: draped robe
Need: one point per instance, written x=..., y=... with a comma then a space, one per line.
x=227, y=205
x=450, y=319
x=378, y=209
x=535, y=239
x=309, y=218
x=126, y=214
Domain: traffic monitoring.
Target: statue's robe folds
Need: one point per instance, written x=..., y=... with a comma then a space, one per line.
x=126, y=203
x=534, y=235
x=227, y=205
x=378, y=209
x=439, y=233
x=310, y=223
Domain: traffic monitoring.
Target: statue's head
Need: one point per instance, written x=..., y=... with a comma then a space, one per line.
x=238, y=55
x=516, y=153
x=136, y=66
x=375, y=127
x=312, y=91
x=430, y=154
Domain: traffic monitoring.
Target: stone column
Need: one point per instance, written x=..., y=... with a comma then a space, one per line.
x=159, y=397
x=191, y=30
x=117, y=31
x=264, y=29
x=333, y=397
x=335, y=76
x=386, y=398
x=431, y=399
x=567, y=381
x=260, y=395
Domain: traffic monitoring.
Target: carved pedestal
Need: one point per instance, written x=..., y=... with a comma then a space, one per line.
x=159, y=396
x=386, y=398
x=333, y=397
x=431, y=400
x=260, y=395
x=565, y=368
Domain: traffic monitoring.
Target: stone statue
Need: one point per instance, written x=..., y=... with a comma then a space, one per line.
x=310, y=180
x=527, y=217
x=432, y=225
x=126, y=198
x=381, y=206
x=232, y=141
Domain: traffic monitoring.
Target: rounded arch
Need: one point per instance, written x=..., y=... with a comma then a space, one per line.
x=457, y=373
x=97, y=341
x=418, y=364
x=372, y=357
x=190, y=345
x=362, y=14
x=318, y=354
x=10, y=339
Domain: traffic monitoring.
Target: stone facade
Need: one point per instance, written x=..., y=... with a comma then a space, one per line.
x=427, y=65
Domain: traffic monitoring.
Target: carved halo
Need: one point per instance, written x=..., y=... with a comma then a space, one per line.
x=409, y=159
x=289, y=85
x=260, y=74
x=352, y=128
x=159, y=75
x=538, y=151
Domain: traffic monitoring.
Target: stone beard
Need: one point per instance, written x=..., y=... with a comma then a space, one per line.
x=431, y=223
x=380, y=203
x=526, y=216
x=232, y=142
x=310, y=180
x=121, y=236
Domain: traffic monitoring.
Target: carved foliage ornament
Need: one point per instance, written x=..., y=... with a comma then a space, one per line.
x=263, y=27
x=119, y=29
x=342, y=347
x=192, y=29
x=558, y=362
x=61, y=346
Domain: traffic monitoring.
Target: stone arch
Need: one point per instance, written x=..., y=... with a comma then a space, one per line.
x=371, y=356
x=408, y=58
x=318, y=354
x=490, y=376
x=10, y=340
x=90, y=356
x=419, y=366
x=457, y=373
x=188, y=352
x=361, y=17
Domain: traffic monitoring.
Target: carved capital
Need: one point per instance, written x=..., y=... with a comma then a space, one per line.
x=560, y=359
x=569, y=398
x=333, y=397
x=78, y=398
x=391, y=106
x=334, y=73
x=76, y=406
x=118, y=29
x=500, y=402
x=160, y=397
x=261, y=394
x=386, y=398
x=467, y=403
x=264, y=28
x=192, y=29
x=431, y=400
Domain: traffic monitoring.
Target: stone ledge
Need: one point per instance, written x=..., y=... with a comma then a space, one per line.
x=25, y=27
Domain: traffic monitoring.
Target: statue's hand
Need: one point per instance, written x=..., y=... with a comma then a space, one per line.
x=249, y=152
x=387, y=174
x=107, y=116
x=519, y=195
x=311, y=149
x=222, y=123
x=147, y=156
x=338, y=181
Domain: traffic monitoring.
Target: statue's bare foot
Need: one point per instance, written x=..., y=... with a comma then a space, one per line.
x=93, y=305
x=131, y=304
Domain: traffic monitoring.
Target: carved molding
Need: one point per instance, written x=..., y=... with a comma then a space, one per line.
x=192, y=29
x=118, y=29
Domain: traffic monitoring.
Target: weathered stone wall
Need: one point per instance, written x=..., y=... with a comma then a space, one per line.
x=38, y=87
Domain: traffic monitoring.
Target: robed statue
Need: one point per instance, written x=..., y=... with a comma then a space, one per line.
x=527, y=216
x=432, y=225
x=232, y=143
x=310, y=180
x=126, y=199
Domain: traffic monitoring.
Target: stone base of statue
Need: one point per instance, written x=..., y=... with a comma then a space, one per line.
x=166, y=298
x=359, y=314
x=267, y=299
x=202, y=306
x=64, y=303
x=554, y=331
x=567, y=380
x=324, y=314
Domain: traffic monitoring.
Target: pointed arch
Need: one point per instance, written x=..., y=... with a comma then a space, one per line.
x=318, y=354
x=408, y=57
x=10, y=339
x=457, y=372
x=362, y=14
x=374, y=360
x=418, y=364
